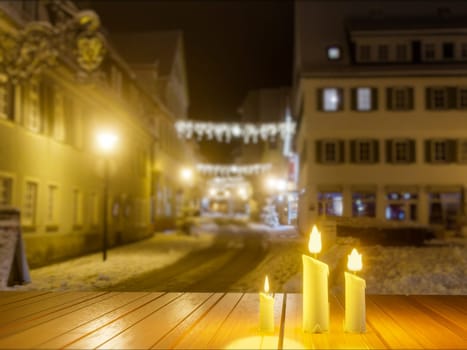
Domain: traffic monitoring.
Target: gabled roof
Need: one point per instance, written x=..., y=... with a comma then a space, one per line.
x=149, y=48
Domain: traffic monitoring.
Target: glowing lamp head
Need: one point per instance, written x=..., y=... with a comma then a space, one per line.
x=314, y=244
x=186, y=174
x=354, y=262
x=266, y=285
x=107, y=141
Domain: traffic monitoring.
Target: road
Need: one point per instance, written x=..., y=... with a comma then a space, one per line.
x=213, y=269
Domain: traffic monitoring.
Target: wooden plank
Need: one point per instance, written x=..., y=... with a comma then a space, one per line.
x=120, y=324
x=198, y=336
x=171, y=338
x=148, y=331
x=23, y=324
x=371, y=337
x=41, y=333
x=294, y=337
x=7, y=295
x=452, y=318
x=423, y=328
x=71, y=336
x=24, y=311
x=393, y=334
x=241, y=327
x=22, y=299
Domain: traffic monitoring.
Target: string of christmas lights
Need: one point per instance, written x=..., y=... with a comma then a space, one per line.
x=225, y=132
x=232, y=170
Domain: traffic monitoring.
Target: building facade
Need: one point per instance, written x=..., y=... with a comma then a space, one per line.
x=380, y=94
x=49, y=165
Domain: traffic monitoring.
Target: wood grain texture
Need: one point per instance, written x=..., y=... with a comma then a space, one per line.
x=147, y=320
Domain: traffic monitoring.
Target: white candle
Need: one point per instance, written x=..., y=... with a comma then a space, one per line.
x=266, y=309
x=354, y=296
x=315, y=288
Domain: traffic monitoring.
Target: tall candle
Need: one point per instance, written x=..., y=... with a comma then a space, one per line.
x=354, y=296
x=266, y=309
x=315, y=288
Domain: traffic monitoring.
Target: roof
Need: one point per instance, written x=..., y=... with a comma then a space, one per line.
x=149, y=47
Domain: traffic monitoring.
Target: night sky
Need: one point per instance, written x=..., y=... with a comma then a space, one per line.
x=230, y=47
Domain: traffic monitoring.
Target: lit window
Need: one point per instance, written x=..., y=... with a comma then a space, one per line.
x=363, y=204
x=30, y=204
x=6, y=188
x=330, y=204
x=331, y=99
x=401, y=206
x=364, y=99
x=334, y=53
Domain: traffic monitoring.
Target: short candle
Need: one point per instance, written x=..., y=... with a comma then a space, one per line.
x=315, y=288
x=266, y=309
x=354, y=295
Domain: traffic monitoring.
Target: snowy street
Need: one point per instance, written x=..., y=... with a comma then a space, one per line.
x=237, y=258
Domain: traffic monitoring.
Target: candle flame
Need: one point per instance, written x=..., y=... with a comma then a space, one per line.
x=354, y=262
x=266, y=285
x=314, y=244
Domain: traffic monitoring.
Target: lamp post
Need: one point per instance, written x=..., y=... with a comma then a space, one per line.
x=106, y=142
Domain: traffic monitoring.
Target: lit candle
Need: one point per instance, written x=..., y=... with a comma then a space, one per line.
x=354, y=295
x=315, y=288
x=266, y=309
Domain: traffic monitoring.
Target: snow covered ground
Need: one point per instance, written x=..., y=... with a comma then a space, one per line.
x=437, y=268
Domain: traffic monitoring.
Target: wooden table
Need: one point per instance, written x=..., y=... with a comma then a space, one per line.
x=142, y=320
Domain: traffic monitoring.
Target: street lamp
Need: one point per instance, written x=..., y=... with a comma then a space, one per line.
x=106, y=141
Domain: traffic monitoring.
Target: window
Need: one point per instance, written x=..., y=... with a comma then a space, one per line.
x=401, y=52
x=33, y=112
x=6, y=101
x=77, y=208
x=441, y=150
x=444, y=208
x=439, y=98
x=448, y=50
x=399, y=98
x=334, y=53
x=462, y=98
x=383, y=53
x=330, y=203
x=464, y=51
x=365, y=52
x=330, y=99
x=59, y=115
x=364, y=151
x=401, y=206
x=94, y=209
x=363, y=204
x=429, y=52
x=30, y=204
x=52, y=204
x=329, y=151
x=462, y=151
x=400, y=151
x=364, y=99
x=6, y=190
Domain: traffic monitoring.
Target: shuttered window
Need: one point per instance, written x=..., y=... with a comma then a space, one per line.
x=330, y=151
x=400, y=151
x=441, y=151
x=364, y=99
x=399, y=98
x=330, y=99
x=365, y=151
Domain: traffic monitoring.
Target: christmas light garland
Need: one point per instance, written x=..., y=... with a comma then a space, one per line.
x=227, y=131
x=232, y=170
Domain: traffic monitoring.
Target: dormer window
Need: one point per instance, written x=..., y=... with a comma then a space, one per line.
x=429, y=52
x=365, y=53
